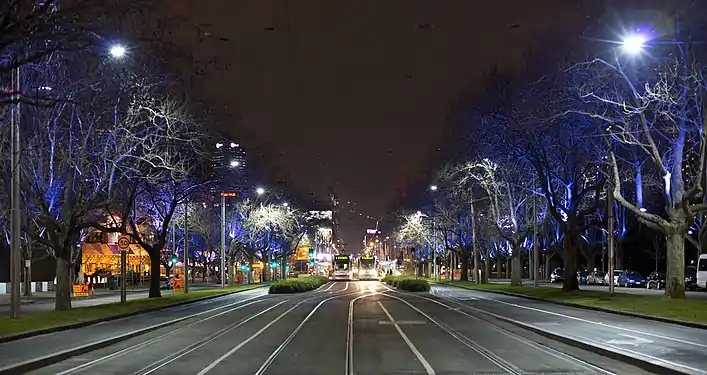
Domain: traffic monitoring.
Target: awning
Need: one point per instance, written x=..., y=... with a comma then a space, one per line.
x=95, y=249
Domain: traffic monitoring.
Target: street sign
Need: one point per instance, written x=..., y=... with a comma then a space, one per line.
x=124, y=243
x=178, y=285
x=231, y=194
x=81, y=290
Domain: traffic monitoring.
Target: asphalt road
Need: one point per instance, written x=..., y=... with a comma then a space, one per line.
x=605, y=288
x=669, y=345
x=342, y=328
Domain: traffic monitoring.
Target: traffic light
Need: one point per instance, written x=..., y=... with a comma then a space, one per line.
x=273, y=264
x=311, y=253
x=174, y=259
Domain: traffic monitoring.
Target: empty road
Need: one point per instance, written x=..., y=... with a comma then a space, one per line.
x=342, y=328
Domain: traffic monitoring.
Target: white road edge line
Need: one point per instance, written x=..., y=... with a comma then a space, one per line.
x=550, y=351
x=649, y=358
x=292, y=335
x=213, y=337
x=597, y=323
x=508, y=367
x=349, y=335
x=423, y=361
x=347, y=287
x=158, y=338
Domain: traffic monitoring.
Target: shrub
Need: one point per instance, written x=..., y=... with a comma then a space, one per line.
x=407, y=283
x=297, y=285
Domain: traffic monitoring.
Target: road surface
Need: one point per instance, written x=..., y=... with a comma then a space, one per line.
x=605, y=288
x=342, y=328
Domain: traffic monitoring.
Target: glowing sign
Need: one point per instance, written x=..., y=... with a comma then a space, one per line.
x=229, y=194
x=341, y=257
x=372, y=231
x=366, y=257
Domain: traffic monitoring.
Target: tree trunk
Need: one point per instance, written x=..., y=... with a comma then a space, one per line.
x=675, y=266
x=231, y=274
x=465, y=265
x=591, y=262
x=572, y=242
x=516, y=267
x=487, y=269
x=619, y=254
x=155, y=262
x=546, y=271
x=62, y=300
x=508, y=267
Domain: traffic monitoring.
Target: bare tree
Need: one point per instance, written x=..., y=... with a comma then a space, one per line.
x=505, y=185
x=657, y=111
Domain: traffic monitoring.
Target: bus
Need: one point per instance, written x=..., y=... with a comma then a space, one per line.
x=367, y=268
x=342, y=267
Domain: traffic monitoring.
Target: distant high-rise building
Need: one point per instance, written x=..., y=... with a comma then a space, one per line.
x=229, y=169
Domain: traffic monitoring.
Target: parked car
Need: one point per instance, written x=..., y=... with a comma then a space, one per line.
x=631, y=279
x=582, y=276
x=557, y=275
x=165, y=282
x=596, y=278
x=691, y=278
x=616, y=277
x=656, y=280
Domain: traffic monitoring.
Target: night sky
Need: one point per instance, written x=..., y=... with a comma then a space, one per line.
x=356, y=95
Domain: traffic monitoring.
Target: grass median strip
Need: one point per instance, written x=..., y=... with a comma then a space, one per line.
x=32, y=321
x=689, y=310
x=297, y=285
x=407, y=283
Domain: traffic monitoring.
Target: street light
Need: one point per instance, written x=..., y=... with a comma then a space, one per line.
x=634, y=43
x=285, y=204
x=117, y=51
x=234, y=163
x=433, y=187
x=260, y=191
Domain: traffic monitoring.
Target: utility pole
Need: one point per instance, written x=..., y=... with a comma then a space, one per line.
x=536, y=249
x=223, y=240
x=186, y=246
x=610, y=229
x=15, y=219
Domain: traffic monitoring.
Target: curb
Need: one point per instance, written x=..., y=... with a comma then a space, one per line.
x=600, y=309
x=34, y=364
x=87, y=323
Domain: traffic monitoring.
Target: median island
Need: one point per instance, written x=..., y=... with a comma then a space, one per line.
x=297, y=285
x=407, y=283
x=687, y=310
x=42, y=320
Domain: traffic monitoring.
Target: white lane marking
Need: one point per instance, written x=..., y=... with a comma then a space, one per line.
x=555, y=353
x=633, y=340
x=642, y=356
x=256, y=334
x=350, y=337
x=246, y=341
x=175, y=356
x=597, y=323
x=330, y=286
x=471, y=344
x=292, y=335
x=428, y=368
x=158, y=338
x=347, y=287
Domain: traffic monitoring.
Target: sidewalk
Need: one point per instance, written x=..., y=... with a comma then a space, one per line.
x=44, y=301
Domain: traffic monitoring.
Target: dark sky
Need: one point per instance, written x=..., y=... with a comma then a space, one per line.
x=356, y=96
